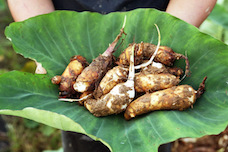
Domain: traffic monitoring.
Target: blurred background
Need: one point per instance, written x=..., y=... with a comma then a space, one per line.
x=22, y=135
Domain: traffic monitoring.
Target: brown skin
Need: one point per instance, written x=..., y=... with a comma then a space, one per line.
x=165, y=55
x=113, y=77
x=83, y=95
x=124, y=58
x=91, y=75
x=68, y=77
x=154, y=82
x=157, y=77
x=152, y=69
x=176, y=71
x=175, y=98
x=117, y=99
x=100, y=107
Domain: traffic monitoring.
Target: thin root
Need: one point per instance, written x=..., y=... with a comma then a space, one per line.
x=187, y=67
x=155, y=52
x=201, y=89
x=76, y=100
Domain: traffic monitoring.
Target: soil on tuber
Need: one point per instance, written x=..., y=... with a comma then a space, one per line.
x=143, y=80
x=175, y=98
x=68, y=77
x=92, y=74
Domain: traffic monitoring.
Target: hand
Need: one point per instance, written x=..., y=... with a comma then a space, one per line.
x=191, y=11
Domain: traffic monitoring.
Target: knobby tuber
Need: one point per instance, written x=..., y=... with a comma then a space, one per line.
x=157, y=77
x=68, y=77
x=153, y=82
x=175, y=98
x=92, y=74
x=113, y=77
x=164, y=55
x=117, y=99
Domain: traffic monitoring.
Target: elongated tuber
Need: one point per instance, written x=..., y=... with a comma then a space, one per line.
x=165, y=55
x=175, y=98
x=154, y=82
x=113, y=77
x=92, y=74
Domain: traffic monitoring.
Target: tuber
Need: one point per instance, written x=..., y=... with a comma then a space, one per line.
x=154, y=82
x=92, y=74
x=157, y=77
x=68, y=77
x=175, y=98
x=113, y=77
x=165, y=55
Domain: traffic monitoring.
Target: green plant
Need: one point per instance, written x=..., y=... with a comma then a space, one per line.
x=53, y=38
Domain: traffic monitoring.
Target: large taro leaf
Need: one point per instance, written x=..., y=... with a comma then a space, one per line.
x=53, y=38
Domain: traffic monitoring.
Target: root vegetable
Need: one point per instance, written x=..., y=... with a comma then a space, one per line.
x=85, y=96
x=113, y=77
x=175, y=98
x=157, y=77
x=154, y=82
x=124, y=58
x=92, y=74
x=165, y=55
x=117, y=99
x=68, y=77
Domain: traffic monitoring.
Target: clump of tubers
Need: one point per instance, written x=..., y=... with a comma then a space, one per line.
x=68, y=77
x=143, y=80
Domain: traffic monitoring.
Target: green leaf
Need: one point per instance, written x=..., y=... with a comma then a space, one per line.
x=53, y=38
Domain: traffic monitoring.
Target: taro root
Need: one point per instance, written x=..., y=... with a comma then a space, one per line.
x=68, y=77
x=175, y=98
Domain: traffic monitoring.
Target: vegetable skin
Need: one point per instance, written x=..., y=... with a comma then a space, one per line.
x=175, y=98
x=165, y=55
x=113, y=77
x=157, y=77
x=92, y=74
x=154, y=82
x=68, y=77
x=124, y=58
